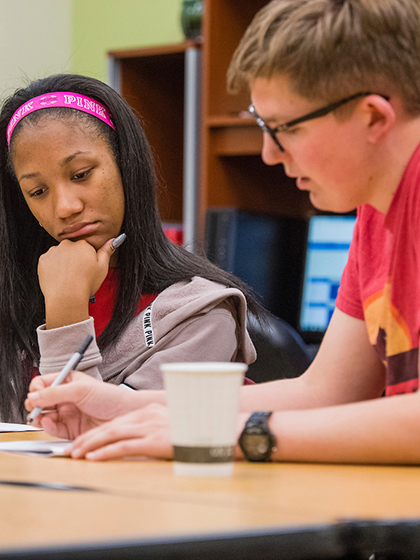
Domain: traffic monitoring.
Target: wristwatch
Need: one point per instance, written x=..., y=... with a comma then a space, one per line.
x=256, y=440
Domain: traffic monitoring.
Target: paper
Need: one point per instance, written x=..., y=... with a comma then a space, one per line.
x=54, y=448
x=9, y=427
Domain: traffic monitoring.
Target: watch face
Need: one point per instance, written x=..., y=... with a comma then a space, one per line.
x=256, y=446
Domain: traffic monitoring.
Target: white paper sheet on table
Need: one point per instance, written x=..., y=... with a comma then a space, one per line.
x=43, y=448
x=10, y=427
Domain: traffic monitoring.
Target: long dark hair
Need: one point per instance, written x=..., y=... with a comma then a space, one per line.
x=148, y=261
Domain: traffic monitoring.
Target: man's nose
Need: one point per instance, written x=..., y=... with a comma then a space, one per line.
x=270, y=153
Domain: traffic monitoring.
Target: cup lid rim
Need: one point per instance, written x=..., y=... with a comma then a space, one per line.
x=210, y=367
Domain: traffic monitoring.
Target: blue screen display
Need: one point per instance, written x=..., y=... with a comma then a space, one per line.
x=328, y=244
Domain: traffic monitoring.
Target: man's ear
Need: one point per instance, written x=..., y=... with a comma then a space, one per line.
x=380, y=116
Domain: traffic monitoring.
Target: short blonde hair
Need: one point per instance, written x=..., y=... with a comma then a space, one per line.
x=333, y=48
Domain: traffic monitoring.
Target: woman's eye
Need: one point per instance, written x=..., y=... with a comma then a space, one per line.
x=37, y=193
x=81, y=175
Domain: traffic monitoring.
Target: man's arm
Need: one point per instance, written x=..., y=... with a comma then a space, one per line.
x=343, y=421
x=346, y=369
x=383, y=431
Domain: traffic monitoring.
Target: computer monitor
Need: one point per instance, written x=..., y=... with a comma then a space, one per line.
x=327, y=248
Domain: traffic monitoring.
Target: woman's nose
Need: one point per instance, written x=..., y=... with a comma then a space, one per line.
x=67, y=203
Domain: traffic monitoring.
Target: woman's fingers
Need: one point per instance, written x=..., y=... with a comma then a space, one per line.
x=41, y=382
x=51, y=396
x=105, y=253
x=79, y=404
x=51, y=424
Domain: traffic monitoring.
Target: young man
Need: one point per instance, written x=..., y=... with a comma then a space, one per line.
x=335, y=86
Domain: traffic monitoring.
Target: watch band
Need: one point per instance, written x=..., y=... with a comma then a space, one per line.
x=257, y=441
x=258, y=417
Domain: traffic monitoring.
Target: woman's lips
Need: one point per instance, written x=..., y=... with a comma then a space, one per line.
x=79, y=230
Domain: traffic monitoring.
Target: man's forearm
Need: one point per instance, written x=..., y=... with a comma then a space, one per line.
x=284, y=394
x=289, y=394
x=133, y=400
x=384, y=430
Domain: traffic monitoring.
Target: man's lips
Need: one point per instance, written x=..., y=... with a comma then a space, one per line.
x=78, y=230
x=299, y=179
x=302, y=183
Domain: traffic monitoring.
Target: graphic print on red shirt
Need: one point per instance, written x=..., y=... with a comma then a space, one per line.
x=381, y=281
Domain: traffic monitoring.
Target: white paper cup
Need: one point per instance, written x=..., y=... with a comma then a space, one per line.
x=203, y=403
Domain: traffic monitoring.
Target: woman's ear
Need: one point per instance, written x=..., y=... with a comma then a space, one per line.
x=380, y=117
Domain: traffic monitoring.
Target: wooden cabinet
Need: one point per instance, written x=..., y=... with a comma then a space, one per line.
x=231, y=172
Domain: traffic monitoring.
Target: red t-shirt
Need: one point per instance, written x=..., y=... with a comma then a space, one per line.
x=102, y=309
x=381, y=281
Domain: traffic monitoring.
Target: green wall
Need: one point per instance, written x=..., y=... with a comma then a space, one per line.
x=99, y=26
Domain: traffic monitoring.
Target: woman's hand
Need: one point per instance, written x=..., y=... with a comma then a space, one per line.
x=144, y=432
x=78, y=404
x=69, y=274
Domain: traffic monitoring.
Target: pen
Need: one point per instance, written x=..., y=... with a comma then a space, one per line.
x=115, y=244
x=71, y=364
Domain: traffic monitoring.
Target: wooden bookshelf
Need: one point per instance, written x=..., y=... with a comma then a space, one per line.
x=231, y=170
x=152, y=81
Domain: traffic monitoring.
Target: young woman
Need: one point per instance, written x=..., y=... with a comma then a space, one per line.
x=76, y=171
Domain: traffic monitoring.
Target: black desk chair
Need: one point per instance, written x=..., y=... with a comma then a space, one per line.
x=281, y=351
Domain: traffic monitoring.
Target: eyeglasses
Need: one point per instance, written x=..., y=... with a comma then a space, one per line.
x=313, y=115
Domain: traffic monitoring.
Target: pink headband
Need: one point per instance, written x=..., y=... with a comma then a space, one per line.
x=59, y=99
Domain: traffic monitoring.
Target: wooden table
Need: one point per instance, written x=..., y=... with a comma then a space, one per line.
x=140, y=509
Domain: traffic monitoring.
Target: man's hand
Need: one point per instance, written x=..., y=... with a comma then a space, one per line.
x=144, y=432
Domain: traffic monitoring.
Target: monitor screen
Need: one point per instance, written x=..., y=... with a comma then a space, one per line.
x=327, y=249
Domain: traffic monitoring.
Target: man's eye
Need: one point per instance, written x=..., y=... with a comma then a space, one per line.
x=291, y=130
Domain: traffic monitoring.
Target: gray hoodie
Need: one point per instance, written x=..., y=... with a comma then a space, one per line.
x=191, y=321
